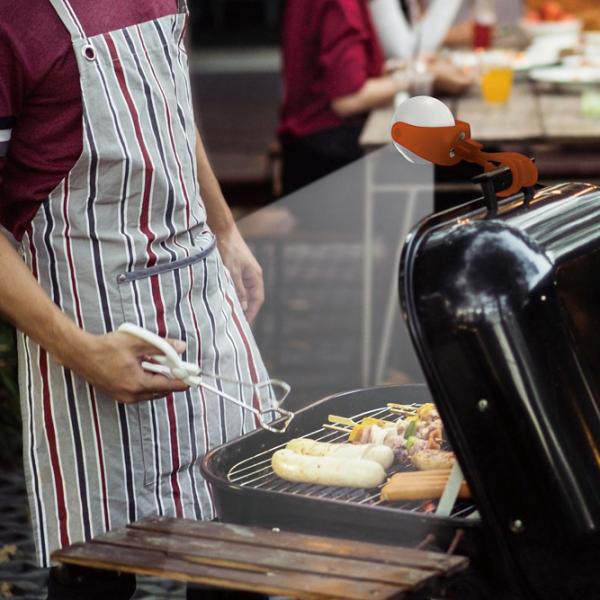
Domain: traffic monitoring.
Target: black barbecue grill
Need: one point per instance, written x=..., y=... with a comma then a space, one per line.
x=502, y=300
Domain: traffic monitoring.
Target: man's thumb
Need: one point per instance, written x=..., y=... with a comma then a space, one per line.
x=179, y=345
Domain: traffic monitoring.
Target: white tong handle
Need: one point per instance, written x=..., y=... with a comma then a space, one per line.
x=170, y=364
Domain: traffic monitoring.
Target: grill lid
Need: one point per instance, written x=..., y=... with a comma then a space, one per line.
x=502, y=300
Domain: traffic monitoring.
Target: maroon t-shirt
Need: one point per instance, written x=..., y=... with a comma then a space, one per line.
x=40, y=97
x=330, y=49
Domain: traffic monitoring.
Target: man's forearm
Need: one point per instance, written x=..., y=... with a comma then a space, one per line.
x=218, y=213
x=26, y=305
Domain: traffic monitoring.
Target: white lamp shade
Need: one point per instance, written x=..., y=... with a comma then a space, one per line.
x=423, y=111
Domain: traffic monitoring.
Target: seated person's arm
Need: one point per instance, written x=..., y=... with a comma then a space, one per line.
x=437, y=26
x=373, y=93
x=351, y=85
x=395, y=34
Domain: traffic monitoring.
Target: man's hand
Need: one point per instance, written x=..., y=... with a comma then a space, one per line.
x=112, y=364
x=244, y=269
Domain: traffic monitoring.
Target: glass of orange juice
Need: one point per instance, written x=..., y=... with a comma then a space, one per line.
x=496, y=77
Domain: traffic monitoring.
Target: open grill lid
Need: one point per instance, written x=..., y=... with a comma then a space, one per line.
x=502, y=300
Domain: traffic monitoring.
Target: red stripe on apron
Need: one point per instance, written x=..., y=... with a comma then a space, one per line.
x=174, y=443
x=183, y=32
x=149, y=168
x=61, y=507
x=154, y=282
x=67, y=232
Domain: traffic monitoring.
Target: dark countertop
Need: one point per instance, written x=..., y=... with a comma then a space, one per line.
x=330, y=254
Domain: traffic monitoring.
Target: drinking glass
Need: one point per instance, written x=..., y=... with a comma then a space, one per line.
x=496, y=77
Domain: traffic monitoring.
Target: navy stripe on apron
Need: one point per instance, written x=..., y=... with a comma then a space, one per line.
x=169, y=124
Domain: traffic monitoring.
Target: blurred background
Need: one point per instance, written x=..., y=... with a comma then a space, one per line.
x=237, y=83
x=236, y=79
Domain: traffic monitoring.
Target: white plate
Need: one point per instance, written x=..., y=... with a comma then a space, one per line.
x=534, y=59
x=567, y=76
x=538, y=28
x=577, y=61
x=520, y=62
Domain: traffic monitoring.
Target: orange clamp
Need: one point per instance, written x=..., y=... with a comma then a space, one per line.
x=447, y=146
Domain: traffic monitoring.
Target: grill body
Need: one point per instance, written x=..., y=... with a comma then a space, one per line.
x=504, y=312
x=503, y=306
x=318, y=511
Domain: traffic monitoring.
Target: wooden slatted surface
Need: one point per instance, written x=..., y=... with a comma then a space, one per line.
x=255, y=559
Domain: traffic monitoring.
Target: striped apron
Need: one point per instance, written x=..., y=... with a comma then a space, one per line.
x=123, y=238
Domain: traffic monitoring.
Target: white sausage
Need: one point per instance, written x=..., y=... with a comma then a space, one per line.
x=383, y=455
x=377, y=452
x=327, y=470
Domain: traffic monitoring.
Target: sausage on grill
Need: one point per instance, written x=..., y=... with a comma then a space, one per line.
x=381, y=454
x=419, y=485
x=327, y=470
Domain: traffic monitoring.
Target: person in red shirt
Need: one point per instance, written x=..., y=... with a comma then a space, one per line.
x=333, y=74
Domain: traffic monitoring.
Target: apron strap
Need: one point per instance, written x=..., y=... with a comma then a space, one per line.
x=71, y=22
x=69, y=18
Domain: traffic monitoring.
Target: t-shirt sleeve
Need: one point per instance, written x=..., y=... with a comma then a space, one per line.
x=343, y=53
x=11, y=93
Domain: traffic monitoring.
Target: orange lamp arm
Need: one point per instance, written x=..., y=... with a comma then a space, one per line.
x=447, y=146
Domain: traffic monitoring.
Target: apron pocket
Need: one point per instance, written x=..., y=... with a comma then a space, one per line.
x=159, y=298
x=174, y=265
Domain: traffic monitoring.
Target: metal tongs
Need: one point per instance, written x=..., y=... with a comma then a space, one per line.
x=170, y=364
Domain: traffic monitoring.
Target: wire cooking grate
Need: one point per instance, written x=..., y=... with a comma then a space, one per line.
x=256, y=472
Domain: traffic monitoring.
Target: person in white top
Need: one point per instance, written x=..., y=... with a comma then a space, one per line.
x=401, y=38
x=411, y=42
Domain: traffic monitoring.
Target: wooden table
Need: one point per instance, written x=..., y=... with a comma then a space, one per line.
x=531, y=116
x=261, y=560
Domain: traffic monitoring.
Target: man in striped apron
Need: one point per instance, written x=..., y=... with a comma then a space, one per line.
x=124, y=237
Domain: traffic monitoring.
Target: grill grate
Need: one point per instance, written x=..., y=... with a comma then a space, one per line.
x=256, y=472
